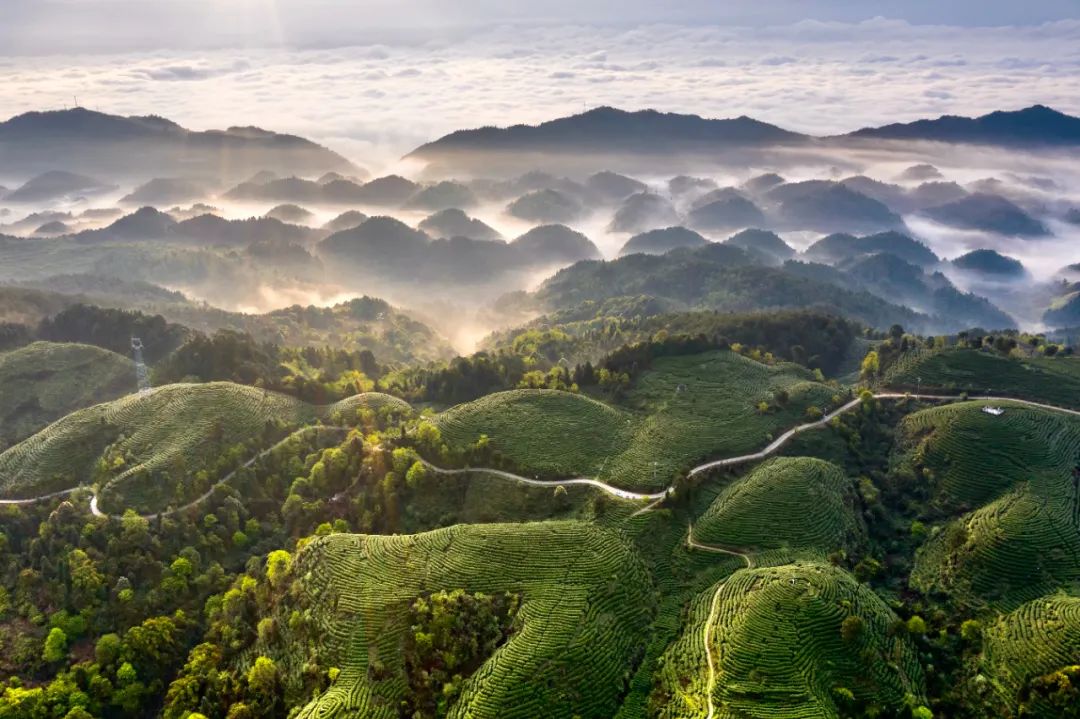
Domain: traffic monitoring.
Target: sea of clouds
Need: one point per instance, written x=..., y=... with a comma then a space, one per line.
x=374, y=102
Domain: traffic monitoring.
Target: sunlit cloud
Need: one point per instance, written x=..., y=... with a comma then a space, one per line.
x=374, y=102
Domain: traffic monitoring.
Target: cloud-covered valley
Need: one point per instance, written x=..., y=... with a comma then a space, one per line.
x=374, y=102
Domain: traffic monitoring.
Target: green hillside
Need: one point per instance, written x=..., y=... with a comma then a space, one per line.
x=1037, y=638
x=583, y=614
x=147, y=450
x=972, y=457
x=1054, y=380
x=44, y=381
x=718, y=277
x=683, y=410
x=791, y=503
x=778, y=650
x=1021, y=539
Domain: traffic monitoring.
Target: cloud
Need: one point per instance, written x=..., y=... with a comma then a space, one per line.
x=183, y=72
x=820, y=77
x=778, y=60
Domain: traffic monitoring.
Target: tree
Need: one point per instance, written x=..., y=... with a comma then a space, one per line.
x=278, y=563
x=852, y=627
x=55, y=646
x=971, y=630
x=871, y=365
x=263, y=685
x=86, y=580
x=107, y=650
x=77, y=712
x=263, y=675
x=428, y=437
x=1059, y=689
x=416, y=474
x=916, y=625
x=126, y=674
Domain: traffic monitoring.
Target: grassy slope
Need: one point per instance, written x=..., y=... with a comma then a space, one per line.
x=785, y=503
x=44, y=381
x=561, y=434
x=584, y=615
x=175, y=429
x=1021, y=539
x=1054, y=380
x=1037, y=638
x=778, y=650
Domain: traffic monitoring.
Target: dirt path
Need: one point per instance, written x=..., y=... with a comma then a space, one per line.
x=706, y=634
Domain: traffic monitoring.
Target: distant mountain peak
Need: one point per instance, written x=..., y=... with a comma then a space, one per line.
x=137, y=146
x=1037, y=125
x=611, y=129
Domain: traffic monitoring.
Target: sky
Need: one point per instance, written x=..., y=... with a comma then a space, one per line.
x=373, y=79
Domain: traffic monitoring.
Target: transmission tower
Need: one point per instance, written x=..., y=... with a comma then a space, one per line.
x=141, y=375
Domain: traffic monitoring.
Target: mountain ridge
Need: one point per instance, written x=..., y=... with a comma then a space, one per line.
x=38, y=141
x=606, y=128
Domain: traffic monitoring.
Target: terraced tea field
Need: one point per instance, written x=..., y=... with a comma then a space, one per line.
x=154, y=443
x=44, y=381
x=1035, y=639
x=347, y=408
x=1053, y=380
x=790, y=503
x=682, y=410
x=974, y=456
x=777, y=649
x=585, y=611
x=543, y=431
x=1022, y=538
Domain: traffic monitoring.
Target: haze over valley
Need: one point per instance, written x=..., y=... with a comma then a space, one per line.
x=580, y=360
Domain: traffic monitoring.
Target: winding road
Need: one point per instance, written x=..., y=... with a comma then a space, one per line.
x=706, y=632
x=614, y=491
x=94, y=510
x=654, y=499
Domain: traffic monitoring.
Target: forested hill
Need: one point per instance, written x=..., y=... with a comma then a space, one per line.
x=715, y=277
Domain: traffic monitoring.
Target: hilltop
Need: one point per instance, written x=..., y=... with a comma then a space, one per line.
x=45, y=380
x=608, y=129
x=1033, y=126
x=119, y=146
x=650, y=132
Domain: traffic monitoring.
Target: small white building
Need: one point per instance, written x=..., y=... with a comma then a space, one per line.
x=996, y=411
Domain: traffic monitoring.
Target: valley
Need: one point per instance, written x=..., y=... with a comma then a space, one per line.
x=625, y=413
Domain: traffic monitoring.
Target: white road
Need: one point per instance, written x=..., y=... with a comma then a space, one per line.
x=97, y=513
x=614, y=491
x=654, y=499
x=706, y=632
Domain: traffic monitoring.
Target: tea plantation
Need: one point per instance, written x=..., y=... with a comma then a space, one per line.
x=585, y=611
x=146, y=449
x=973, y=456
x=1021, y=539
x=779, y=649
x=791, y=503
x=1035, y=639
x=44, y=381
x=910, y=558
x=1054, y=380
x=681, y=411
